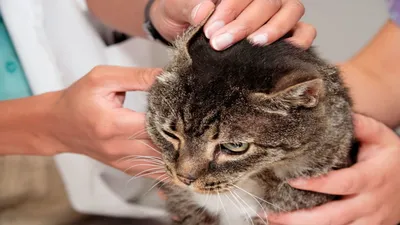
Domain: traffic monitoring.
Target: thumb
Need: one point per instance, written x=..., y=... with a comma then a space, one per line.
x=200, y=11
x=370, y=131
x=122, y=79
x=189, y=11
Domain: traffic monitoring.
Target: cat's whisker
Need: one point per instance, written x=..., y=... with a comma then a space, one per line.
x=148, y=170
x=164, y=183
x=162, y=117
x=251, y=208
x=241, y=206
x=163, y=179
x=150, y=146
x=262, y=207
x=237, y=207
x=154, y=161
x=248, y=214
x=146, y=174
x=254, y=196
x=205, y=203
x=136, y=134
x=223, y=207
x=170, y=106
x=139, y=156
x=137, y=165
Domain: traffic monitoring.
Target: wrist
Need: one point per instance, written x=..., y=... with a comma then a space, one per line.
x=47, y=123
x=24, y=124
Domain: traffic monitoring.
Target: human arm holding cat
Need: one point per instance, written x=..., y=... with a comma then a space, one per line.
x=373, y=76
x=370, y=188
x=261, y=21
x=86, y=118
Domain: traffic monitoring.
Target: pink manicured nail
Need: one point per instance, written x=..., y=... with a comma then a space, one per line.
x=222, y=41
x=298, y=182
x=260, y=39
x=214, y=27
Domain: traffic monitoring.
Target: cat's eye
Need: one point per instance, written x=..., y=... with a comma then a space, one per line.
x=171, y=135
x=236, y=147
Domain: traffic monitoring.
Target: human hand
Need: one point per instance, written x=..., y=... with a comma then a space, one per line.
x=263, y=22
x=370, y=187
x=89, y=119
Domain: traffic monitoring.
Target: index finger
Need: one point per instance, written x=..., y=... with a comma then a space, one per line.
x=122, y=79
x=339, y=182
x=336, y=212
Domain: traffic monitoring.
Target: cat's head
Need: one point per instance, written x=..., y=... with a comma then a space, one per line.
x=219, y=117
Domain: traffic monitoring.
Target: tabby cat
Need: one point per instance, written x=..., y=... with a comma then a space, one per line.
x=233, y=126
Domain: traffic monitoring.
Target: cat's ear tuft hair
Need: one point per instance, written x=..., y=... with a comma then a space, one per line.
x=305, y=94
x=180, y=53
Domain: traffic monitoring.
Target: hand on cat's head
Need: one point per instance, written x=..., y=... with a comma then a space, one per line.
x=89, y=118
x=263, y=22
x=370, y=187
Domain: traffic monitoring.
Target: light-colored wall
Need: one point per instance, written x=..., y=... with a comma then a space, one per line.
x=344, y=26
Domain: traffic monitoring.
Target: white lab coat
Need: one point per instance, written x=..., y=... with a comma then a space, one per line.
x=57, y=45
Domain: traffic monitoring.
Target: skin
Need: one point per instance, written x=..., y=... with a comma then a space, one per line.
x=104, y=135
x=375, y=68
x=373, y=76
x=87, y=117
x=232, y=17
x=369, y=188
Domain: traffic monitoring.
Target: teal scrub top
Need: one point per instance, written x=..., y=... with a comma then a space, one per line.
x=13, y=83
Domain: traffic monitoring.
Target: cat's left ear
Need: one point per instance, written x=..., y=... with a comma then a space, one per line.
x=180, y=51
x=306, y=94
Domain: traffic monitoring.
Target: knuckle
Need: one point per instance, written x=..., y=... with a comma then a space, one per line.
x=145, y=77
x=96, y=74
x=246, y=29
x=98, y=70
x=276, y=3
x=231, y=12
x=299, y=6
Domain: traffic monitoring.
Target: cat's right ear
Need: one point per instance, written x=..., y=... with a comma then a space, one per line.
x=306, y=94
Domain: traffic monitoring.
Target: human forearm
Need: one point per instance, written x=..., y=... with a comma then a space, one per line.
x=373, y=76
x=126, y=16
x=24, y=126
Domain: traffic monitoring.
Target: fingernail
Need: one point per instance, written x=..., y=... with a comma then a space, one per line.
x=214, y=27
x=222, y=41
x=260, y=39
x=298, y=182
x=195, y=11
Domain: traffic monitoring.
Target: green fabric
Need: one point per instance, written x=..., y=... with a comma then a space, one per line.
x=13, y=83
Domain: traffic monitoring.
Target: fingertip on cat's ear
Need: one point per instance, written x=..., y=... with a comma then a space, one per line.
x=201, y=11
x=298, y=182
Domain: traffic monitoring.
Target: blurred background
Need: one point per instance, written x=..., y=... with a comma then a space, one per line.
x=48, y=44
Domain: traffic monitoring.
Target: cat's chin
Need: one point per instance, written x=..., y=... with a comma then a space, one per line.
x=208, y=191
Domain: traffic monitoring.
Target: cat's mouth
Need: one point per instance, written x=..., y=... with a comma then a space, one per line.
x=211, y=188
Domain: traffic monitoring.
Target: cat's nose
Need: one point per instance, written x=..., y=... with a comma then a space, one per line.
x=188, y=179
